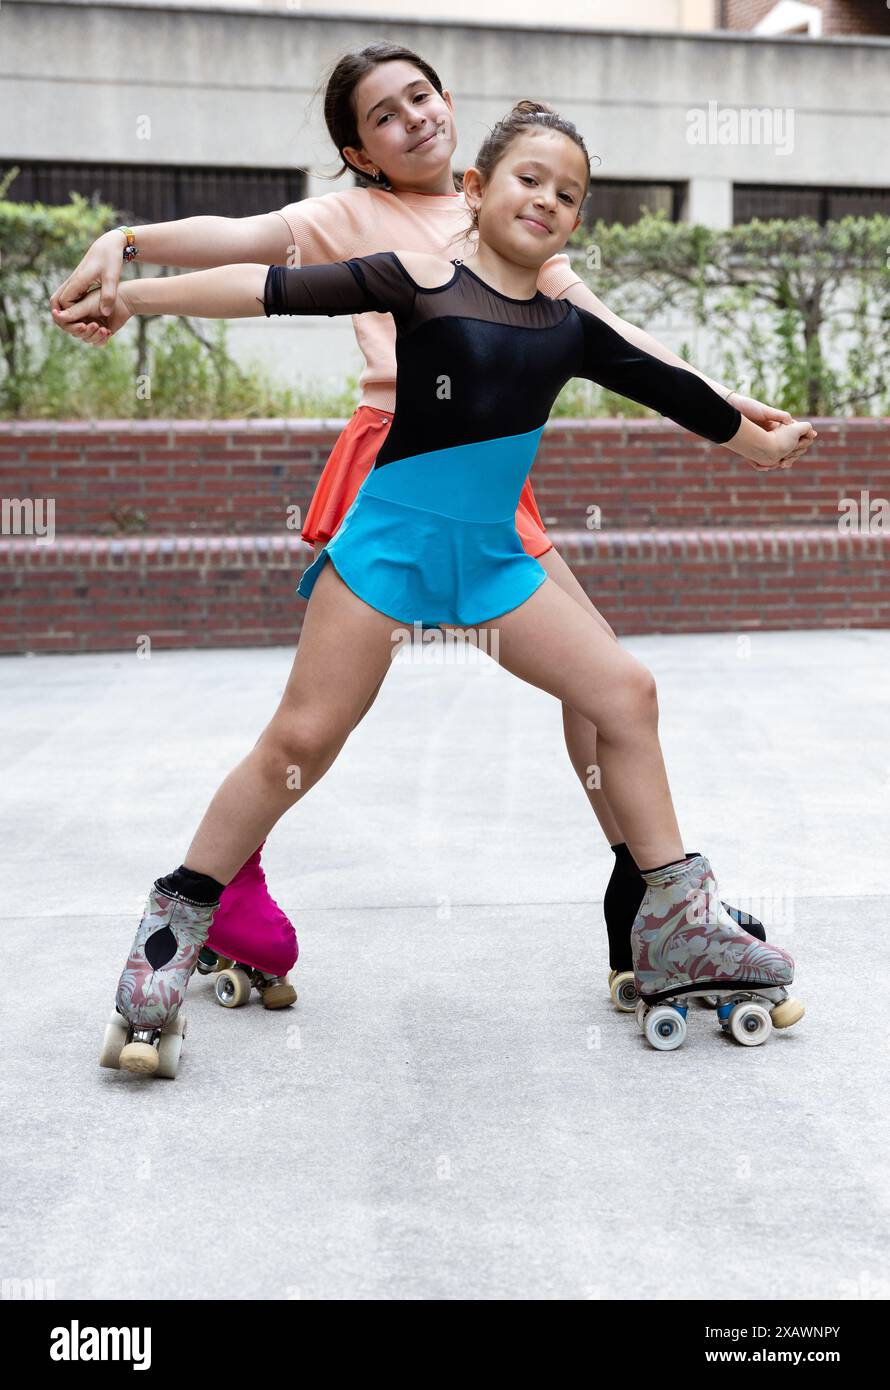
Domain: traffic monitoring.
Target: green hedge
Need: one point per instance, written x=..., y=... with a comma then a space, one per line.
x=790, y=279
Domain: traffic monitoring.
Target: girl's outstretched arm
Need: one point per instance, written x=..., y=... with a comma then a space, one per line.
x=190, y=241
x=231, y=292
x=614, y=362
x=361, y=285
x=313, y=231
x=582, y=295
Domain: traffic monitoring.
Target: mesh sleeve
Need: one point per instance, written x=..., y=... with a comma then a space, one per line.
x=621, y=366
x=363, y=284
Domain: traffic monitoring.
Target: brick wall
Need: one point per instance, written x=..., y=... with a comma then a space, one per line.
x=184, y=532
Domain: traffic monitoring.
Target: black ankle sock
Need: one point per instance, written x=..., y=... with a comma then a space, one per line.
x=621, y=902
x=186, y=883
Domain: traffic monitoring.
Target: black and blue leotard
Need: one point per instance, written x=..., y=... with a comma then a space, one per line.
x=431, y=535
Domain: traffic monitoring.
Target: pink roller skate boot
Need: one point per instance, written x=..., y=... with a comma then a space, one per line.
x=252, y=943
x=685, y=943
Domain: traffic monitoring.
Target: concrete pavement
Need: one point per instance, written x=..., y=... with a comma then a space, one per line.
x=453, y=1108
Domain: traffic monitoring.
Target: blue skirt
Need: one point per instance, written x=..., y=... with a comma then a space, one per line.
x=432, y=539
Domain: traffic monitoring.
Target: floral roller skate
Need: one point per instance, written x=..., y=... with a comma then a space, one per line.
x=145, y=1033
x=621, y=984
x=252, y=943
x=685, y=944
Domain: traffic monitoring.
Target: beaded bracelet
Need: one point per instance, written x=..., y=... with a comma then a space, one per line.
x=131, y=250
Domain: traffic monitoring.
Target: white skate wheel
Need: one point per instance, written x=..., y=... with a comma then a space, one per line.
x=232, y=988
x=623, y=991
x=113, y=1041
x=665, y=1028
x=170, y=1047
x=790, y=1011
x=750, y=1024
x=640, y=1014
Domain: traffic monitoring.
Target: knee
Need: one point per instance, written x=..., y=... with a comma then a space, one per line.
x=641, y=689
x=303, y=736
x=634, y=698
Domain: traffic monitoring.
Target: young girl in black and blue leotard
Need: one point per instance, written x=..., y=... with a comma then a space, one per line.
x=431, y=539
x=393, y=123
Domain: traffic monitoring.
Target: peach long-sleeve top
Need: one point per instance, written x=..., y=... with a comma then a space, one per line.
x=360, y=221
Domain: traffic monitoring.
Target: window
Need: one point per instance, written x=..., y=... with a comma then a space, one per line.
x=158, y=193
x=767, y=201
x=620, y=200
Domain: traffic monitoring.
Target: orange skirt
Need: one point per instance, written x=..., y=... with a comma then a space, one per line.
x=351, y=460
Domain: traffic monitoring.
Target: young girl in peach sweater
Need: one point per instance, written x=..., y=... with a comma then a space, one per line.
x=385, y=108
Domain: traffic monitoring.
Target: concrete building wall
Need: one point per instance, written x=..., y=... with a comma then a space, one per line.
x=239, y=88
x=578, y=14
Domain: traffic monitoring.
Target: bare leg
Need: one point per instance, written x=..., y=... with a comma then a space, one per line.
x=553, y=643
x=344, y=654
x=580, y=734
x=315, y=549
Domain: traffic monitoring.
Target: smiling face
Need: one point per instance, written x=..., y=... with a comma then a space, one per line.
x=531, y=203
x=406, y=128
